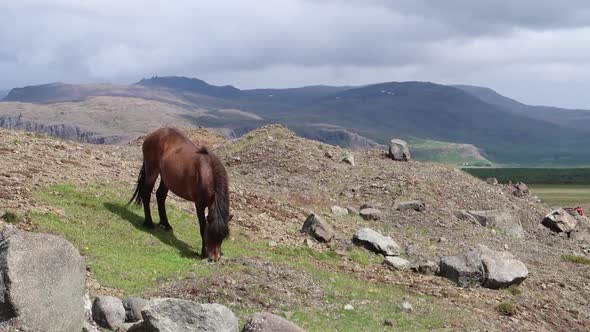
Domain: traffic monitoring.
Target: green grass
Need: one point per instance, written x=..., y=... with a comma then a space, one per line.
x=577, y=176
x=11, y=217
x=576, y=259
x=123, y=255
x=443, y=152
x=562, y=195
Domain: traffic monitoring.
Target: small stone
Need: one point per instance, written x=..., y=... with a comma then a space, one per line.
x=406, y=306
x=376, y=242
x=108, y=312
x=390, y=322
x=348, y=307
x=348, y=159
x=318, y=228
x=339, y=211
x=371, y=214
x=133, y=307
x=272, y=244
x=415, y=205
x=442, y=239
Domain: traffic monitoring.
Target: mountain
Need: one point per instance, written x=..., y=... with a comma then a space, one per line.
x=3, y=93
x=504, y=130
x=572, y=118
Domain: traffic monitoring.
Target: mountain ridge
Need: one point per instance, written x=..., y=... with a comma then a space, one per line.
x=377, y=112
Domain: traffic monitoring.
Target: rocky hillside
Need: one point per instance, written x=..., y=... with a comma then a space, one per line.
x=278, y=179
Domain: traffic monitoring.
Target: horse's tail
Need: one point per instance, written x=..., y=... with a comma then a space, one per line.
x=218, y=228
x=138, y=193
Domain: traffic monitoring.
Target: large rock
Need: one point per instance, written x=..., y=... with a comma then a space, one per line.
x=267, y=322
x=501, y=219
x=481, y=266
x=171, y=315
x=465, y=269
x=376, y=242
x=41, y=281
x=398, y=150
x=371, y=214
x=108, y=312
x=318, y=228
x=133, y=307
x=502, y=269
x=348, y=158
x=559, y=221
x=416, y=205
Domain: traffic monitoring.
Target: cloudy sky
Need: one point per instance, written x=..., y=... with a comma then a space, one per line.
x=537, y=51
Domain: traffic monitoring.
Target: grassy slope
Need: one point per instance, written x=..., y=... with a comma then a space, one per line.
x=445, y=152
x=124, y=256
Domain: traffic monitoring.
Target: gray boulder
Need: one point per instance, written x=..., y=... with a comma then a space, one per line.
x=481, y=266
x=133, y=307
x=371, y=214
x=559, y=221
x=376, y=242
x=416, y=205
x=397, y=263
x=502, y=269
x=318, y=228
x=267, y=322
x=171, y=315
x=501, y=219
x=42, y=281
x=108, y=312
x=398, y=150
x=465, y=269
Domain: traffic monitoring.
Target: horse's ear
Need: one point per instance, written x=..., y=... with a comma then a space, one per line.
x=230, y=217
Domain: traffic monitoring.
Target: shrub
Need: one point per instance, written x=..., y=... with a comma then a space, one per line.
x=507, y=308
x=11, y=217
x=576, y=259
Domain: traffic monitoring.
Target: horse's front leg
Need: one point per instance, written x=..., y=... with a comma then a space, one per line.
x=202, y=225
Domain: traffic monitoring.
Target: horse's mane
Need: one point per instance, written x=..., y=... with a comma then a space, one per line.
x=218, y=229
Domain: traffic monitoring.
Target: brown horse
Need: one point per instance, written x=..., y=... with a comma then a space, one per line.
x=191, y=172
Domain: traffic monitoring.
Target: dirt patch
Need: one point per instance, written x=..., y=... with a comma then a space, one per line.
x=253, y=284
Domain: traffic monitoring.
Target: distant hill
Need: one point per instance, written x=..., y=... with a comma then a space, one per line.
x=505, y=130
x=3, y=93
x=572, y=118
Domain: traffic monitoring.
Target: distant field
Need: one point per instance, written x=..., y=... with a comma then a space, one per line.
x=576, y=176
x=563, y=195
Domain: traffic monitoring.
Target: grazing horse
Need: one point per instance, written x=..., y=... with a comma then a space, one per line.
x=191, y=172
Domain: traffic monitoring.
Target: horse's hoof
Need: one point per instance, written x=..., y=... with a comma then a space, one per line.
x=166, y=227
x=149, y=225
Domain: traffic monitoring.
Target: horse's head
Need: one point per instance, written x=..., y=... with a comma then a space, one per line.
x=216, y=231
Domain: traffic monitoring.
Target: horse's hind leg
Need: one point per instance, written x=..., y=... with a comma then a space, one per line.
x=161, y=195
x=202, y=225
x=150, y=180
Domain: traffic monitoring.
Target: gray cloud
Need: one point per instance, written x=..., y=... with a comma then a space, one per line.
x=536, y=51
